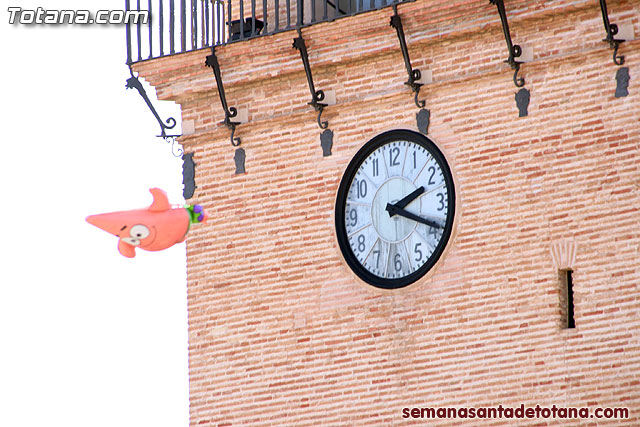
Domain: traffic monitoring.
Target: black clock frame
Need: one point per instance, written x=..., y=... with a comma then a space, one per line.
x=341, y=201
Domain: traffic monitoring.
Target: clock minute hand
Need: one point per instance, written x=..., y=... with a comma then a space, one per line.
x=393, y=209
x=401, y=204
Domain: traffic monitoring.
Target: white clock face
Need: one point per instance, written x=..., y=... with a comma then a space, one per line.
x=396, y=209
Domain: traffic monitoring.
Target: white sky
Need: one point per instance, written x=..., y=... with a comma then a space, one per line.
x=87, y=336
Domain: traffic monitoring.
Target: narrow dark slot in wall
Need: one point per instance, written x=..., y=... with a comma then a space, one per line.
x=566, y=299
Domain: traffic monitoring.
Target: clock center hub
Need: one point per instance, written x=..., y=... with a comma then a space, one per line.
x=396, y=228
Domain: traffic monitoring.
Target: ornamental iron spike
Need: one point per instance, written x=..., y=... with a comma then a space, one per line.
x=414, y=74
x=134, y=83
x=317, y=96
x=229, y=112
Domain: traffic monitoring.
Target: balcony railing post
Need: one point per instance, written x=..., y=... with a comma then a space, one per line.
x=139, y=34
x=161, y=26
x=288, y=8
x=241, y=19
x=265, y=16
x=300, y=13
x=128, y=30
x=172, y=26
x=206, y=21
x=253, y=17
x=220, y=20
x=229, y=18
x=150, y=31
x=194, y=24
x=183, y=25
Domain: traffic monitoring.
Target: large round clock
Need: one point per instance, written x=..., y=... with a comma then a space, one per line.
x=395, y=209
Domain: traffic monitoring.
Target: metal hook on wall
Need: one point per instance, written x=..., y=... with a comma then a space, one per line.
x=618, y=60
x=177, y=152
x=319, y=107
x=612, y=31
x=419, y=103
x=234, y=141
x=325, y=124
x=518, y=81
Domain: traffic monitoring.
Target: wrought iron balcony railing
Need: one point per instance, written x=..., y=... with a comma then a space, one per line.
x=176, y=26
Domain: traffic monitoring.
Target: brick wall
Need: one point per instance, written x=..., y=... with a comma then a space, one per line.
x=280, y=331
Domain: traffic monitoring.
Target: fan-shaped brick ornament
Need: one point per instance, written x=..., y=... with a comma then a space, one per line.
x=563, y=254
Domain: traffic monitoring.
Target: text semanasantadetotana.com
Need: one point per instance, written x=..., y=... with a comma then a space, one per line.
x=517, y=412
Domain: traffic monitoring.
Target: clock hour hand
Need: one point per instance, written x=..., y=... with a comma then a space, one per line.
x=395, y=210
x=408, y=199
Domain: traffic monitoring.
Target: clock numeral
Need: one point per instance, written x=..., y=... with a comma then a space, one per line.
x=418, y=252
x=361, y=187
x=361, y=245
x=415, y=163
x=397, y=262
x=377, y=254
x=393, y=156
x=432, y=169
x=353, y=215
x=441, y=201
x=434, y=234
x=375, y=167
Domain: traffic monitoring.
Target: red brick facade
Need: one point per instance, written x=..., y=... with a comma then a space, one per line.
x=282, y=333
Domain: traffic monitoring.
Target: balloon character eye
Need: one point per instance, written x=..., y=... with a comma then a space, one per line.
x=139, y=232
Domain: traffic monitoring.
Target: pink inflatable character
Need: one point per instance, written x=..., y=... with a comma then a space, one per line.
x=158, y=227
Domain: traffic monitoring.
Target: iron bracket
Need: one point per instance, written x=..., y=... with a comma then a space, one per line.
x=414, y=74
x=134, y=83
x=612, y=30
x=514, y=50
x=317, y=96
x=229, y=112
